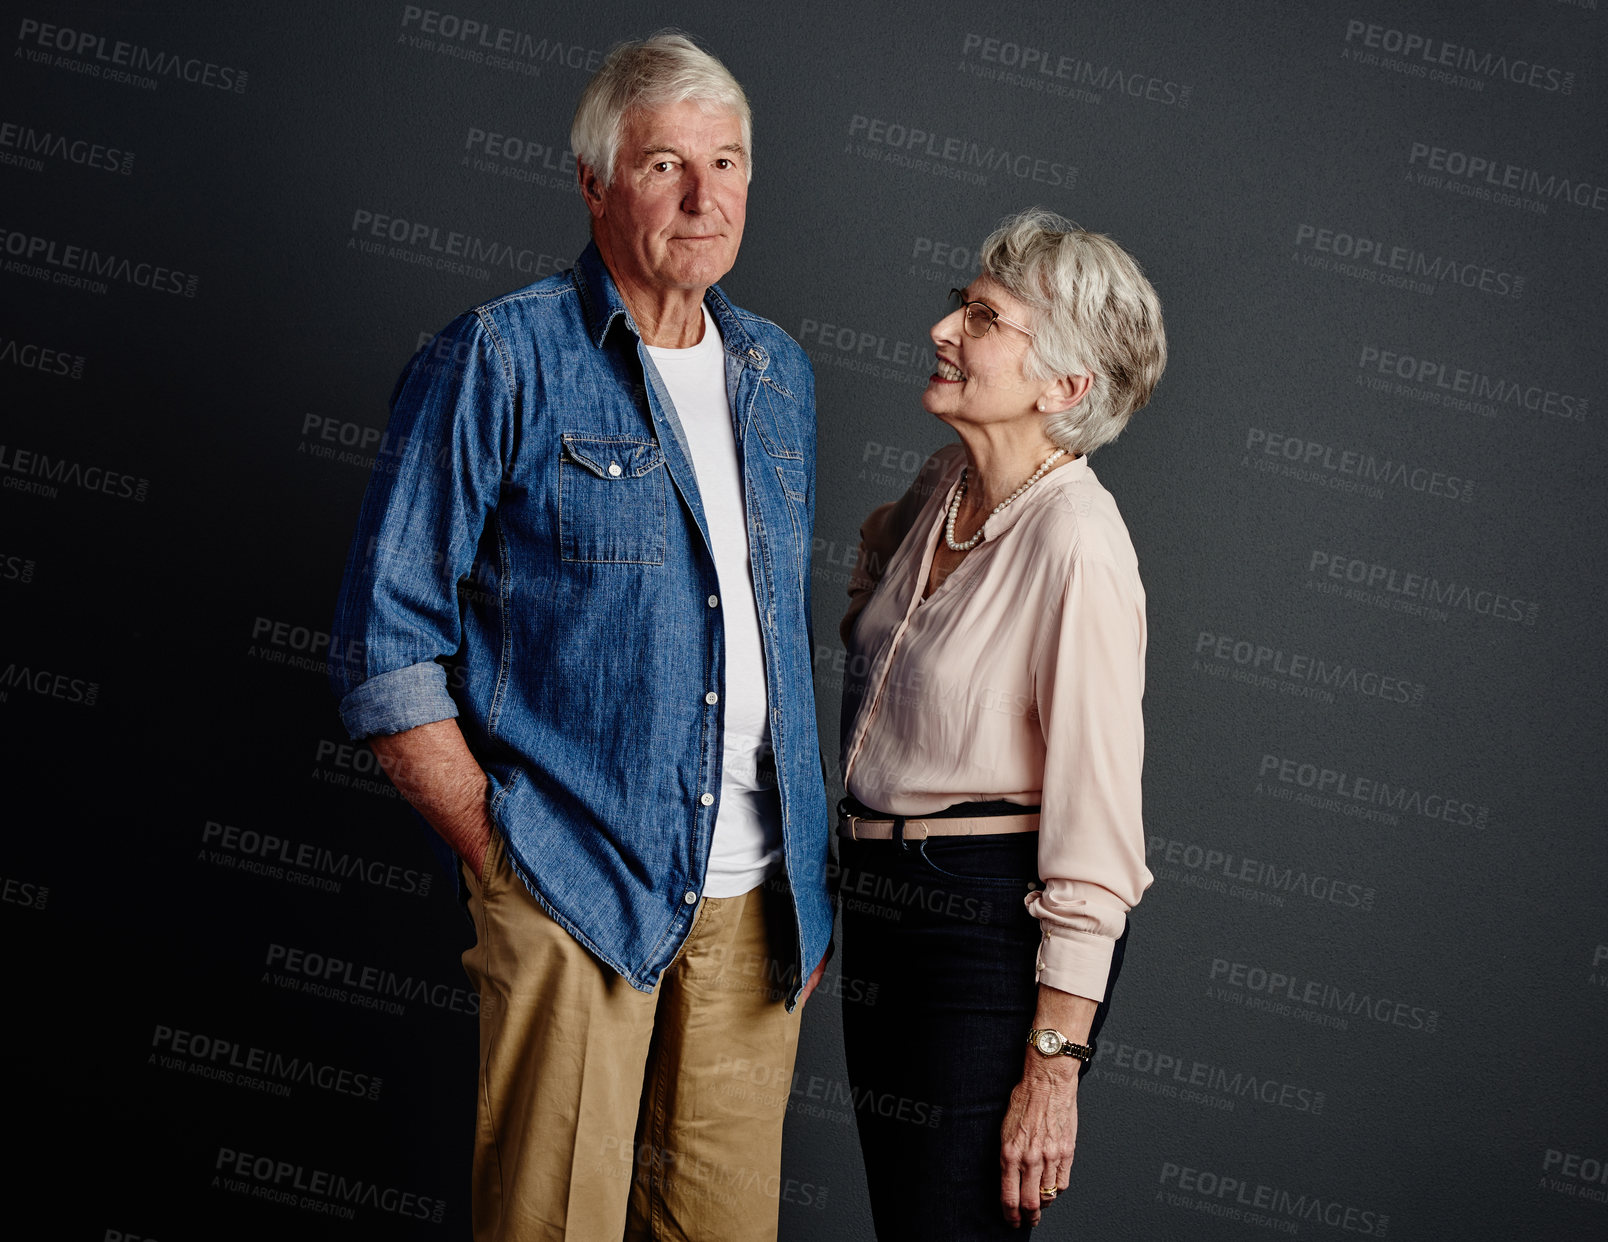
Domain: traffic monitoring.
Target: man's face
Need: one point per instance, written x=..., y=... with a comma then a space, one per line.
x=673, y=218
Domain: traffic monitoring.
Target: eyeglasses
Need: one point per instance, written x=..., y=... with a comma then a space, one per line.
x=980, y=316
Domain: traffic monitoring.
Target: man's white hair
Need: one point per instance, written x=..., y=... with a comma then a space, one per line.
x=665, y=68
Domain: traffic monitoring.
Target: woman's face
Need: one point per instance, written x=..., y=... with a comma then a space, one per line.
x=980, y=379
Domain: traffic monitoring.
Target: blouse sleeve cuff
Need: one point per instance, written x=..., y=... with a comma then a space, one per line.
x=1075, y=962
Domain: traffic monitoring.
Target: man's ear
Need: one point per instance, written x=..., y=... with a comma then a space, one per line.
x=592, y=189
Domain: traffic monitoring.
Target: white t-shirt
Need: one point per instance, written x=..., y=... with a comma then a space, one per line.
x=747, y=844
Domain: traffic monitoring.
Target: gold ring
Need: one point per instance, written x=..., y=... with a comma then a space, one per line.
x=1048, y=1192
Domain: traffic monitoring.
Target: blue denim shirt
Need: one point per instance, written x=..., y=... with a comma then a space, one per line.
x=532, y=558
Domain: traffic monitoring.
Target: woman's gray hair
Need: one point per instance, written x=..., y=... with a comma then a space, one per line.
x=665, y=68
x=1095, y=313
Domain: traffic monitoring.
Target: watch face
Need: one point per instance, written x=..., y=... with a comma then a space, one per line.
x=1047, y=1042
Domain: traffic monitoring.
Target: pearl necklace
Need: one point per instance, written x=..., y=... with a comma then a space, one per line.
x=954, y=505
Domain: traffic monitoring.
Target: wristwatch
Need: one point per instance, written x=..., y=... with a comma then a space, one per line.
x=1051, y=1043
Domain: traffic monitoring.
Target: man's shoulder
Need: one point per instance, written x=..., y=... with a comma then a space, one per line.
x=789, y=365
x=765, y=331
x=534, y=300
x=772, y=335
x=519, y=315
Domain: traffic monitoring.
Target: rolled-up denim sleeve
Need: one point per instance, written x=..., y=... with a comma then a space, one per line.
x=434, y=485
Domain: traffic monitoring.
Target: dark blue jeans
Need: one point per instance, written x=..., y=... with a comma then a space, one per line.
x=939, y=928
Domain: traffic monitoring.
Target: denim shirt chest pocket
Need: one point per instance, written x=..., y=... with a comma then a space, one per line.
x=774, y=422
x=775, y=415
x=611, y=499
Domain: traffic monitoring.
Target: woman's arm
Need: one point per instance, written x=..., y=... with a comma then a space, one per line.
x=1089, y=680
x=885, y=530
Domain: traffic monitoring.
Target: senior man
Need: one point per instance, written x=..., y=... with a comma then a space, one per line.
x=582, y=598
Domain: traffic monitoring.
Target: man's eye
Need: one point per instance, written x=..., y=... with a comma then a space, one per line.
x=663, y=166
x=724, y=163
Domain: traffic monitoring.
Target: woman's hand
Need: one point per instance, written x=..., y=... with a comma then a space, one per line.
x=1041, y=1128
x=1036, y=1141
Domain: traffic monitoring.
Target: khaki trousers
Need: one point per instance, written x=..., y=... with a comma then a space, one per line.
x=607, y=1113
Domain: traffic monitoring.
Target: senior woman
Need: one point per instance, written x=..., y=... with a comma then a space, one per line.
x=991, y=844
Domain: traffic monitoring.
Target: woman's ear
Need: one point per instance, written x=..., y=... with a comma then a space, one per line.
x=1064, y=393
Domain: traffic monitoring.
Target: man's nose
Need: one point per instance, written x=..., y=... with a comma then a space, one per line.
x=698, y=193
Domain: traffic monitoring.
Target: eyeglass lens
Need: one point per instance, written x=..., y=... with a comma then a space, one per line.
x=978, y=319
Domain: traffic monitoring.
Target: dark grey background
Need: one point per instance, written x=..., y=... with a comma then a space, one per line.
x=193, y=610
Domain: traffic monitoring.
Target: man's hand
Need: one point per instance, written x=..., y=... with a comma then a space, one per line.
x=435, y=771
x=810, y=983
x=476, y=862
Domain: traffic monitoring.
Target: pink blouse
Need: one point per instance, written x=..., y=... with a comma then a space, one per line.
x=1019, y=678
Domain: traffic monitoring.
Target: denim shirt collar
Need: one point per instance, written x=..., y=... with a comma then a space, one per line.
x=602, y=303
